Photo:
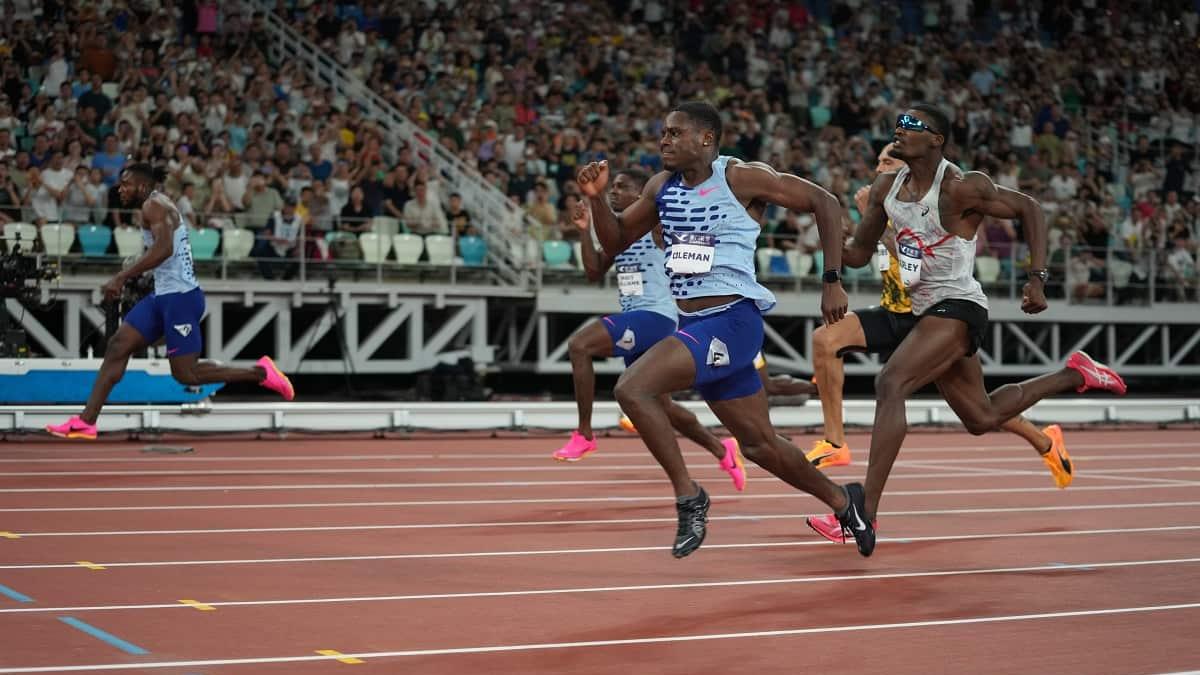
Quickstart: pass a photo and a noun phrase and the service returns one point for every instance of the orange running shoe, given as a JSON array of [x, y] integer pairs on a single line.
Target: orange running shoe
[[627, 424], [824, 454], [1061, 466]]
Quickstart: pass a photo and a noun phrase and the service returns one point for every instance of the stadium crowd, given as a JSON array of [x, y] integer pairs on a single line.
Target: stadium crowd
[[1092, 106]]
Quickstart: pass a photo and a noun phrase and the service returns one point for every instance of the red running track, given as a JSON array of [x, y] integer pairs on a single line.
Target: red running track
[[458, 555]]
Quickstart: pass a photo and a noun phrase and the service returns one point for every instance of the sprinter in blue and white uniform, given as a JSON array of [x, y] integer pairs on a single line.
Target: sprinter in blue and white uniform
[[173, 311], [647, 316], [700, 202]]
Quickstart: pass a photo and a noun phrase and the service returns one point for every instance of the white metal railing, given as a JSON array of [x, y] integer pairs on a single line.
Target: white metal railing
[[488, 205]]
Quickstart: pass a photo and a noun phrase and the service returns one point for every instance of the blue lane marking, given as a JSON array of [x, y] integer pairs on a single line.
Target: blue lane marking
[[111, 639], [19, 597]]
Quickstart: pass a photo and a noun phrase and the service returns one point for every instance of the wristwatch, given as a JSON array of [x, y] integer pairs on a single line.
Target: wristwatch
[[1042, 274], [832, 276]]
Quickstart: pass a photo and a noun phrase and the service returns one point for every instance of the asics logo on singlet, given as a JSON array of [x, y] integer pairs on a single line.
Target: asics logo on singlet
[[627, 340], [185, 329], [718, 353]]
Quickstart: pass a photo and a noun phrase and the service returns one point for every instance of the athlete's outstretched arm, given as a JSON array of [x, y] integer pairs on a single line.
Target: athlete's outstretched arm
[[861, 247], [759, 181], [615, 232], [985, 198], [164, 245], [595, 262]]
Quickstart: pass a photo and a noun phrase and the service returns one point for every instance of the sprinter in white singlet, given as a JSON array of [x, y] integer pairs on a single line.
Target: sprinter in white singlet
[[934, 208]]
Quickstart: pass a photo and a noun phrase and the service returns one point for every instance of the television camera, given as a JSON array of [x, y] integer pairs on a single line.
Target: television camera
[[22, 272]]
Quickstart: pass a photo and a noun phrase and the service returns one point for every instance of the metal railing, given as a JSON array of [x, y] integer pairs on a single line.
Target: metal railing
[[486, 203]]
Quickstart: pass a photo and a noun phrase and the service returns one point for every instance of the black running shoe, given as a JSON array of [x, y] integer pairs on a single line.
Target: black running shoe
[[854, 519], [693, 515]]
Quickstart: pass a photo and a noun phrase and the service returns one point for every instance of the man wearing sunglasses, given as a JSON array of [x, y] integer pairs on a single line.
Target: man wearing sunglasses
[[935, 210], [872, 330]]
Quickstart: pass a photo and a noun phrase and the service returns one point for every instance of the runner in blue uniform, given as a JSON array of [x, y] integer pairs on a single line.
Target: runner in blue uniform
[[173, 311], [700, 200], [647, 316]]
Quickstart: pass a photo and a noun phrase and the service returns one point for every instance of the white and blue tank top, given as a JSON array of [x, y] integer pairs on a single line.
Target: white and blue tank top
[[710, 239], [177, 274], [642, 278]]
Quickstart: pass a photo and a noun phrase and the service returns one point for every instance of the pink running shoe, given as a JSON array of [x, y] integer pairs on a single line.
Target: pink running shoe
[[830, 527], [73, 428], [827, 526], [1096, 375], [731, 463], [275, 380], [575, 448]]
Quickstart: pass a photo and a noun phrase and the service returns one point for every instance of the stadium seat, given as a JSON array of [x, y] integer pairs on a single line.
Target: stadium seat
[[24, 233], [764, 256], [236, 243], [343, 245], [57, 238], [375, 247], [129, 241], [556, 253], [409, 247], [820, 116], [799, 262], [472, 249], [987, 269], [387, 226], [440, 249], [94, 240], [204, 242]]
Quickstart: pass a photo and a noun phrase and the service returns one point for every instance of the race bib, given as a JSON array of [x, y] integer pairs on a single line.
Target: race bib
[[910, 255], [629, 280], [881, 257], [691, 254]]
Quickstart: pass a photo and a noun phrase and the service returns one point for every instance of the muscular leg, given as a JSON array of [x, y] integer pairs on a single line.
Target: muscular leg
[[749, 420], [665, 368], [981, 411], [687, 424], [828, 343], [189, 369], [933, 346], [785, 385], [590, 342], [123, 344], [958, 390]]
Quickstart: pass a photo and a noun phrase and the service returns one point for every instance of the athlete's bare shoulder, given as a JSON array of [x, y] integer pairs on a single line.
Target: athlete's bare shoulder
[[158, 208]]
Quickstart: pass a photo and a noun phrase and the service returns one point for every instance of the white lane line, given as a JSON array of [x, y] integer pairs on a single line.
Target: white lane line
[[592, 500], [1112, 474], [491, 649], [652, 500], [620, 549], [543, 456], [596, 521], [556, 467], [503, 484], [1053, 567]]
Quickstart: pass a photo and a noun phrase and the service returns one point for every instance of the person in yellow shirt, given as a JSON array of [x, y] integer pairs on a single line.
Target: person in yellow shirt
[[832, 342]]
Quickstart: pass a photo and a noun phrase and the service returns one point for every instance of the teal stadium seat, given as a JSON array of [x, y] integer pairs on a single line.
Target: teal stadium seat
[[204, 243], [472, 249], [94, 239], [556, 253]]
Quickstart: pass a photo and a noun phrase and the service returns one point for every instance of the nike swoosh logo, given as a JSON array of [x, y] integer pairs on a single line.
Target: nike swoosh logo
[[705, 193], [858, 523], [685, 542]]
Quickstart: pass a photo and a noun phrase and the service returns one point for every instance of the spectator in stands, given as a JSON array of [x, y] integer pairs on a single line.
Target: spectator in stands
[[423, 215], [279, 238], [10, 196], [260, 201], [458, 218], [355, 216], [48, 190]]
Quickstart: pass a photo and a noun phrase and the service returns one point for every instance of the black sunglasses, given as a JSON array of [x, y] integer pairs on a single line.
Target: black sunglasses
[[906, 121]]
